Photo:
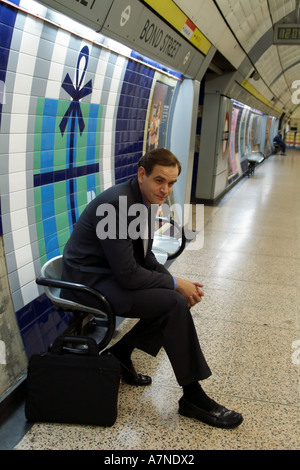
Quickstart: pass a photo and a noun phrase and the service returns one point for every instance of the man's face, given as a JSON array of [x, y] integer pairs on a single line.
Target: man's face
[[157, 186]]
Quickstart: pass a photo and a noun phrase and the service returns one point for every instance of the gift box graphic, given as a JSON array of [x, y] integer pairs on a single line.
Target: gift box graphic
[[66, 160]]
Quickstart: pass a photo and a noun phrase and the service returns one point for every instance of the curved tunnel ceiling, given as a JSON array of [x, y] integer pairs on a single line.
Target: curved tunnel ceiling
[[242, 31], [231, 40]]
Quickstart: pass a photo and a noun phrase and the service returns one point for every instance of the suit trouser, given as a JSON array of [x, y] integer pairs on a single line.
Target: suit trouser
[[166, 321]]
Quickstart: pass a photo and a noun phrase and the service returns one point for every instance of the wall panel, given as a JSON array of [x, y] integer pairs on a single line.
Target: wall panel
[[74, 122]]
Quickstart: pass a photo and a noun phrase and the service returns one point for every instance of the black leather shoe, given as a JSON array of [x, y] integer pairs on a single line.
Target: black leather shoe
[[218, 416], [129, 374]]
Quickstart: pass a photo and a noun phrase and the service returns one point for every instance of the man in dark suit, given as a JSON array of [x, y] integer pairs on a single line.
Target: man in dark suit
[[278, 140], [107, 251]]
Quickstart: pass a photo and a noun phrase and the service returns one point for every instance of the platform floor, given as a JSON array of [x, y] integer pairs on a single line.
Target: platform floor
[[248, 325]]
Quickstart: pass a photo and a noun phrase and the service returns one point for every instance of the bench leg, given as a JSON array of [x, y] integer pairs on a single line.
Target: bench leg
[[251, 168]]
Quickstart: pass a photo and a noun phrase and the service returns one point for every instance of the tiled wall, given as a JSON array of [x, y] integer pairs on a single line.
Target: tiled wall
[[73, 123]]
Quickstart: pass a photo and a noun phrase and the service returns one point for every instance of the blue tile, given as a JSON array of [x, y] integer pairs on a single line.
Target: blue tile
[[45, 322], [25, 316], [47, 192], [55, 252], [50, 108], [8, 14], [31, 336], [40, 323], [40, 304], [49, 226], [33, 344], [4, 53], [51, 243], [5, 34], [48, 209]]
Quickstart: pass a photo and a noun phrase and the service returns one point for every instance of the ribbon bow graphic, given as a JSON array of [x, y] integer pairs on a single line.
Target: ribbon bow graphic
[[72, 112], [76, 93]]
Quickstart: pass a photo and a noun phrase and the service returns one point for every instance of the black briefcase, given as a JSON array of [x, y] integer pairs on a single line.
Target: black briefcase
[[73, 384]]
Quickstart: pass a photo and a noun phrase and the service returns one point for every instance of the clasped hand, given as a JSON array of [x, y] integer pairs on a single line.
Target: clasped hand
[[191, 291]]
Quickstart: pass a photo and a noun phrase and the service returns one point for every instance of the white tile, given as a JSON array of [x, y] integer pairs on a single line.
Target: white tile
[[17, 162], [106, 164], [17, 181], [109, 125], [29, 292], [18, 200], [21, 238], [26, 274], [107, 139], [26, 63], [107, 149], [18, 219], [20, 103], [112, 98], [23, 256]]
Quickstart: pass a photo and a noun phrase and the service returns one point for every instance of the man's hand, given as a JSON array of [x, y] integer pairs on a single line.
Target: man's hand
[[191, 291]]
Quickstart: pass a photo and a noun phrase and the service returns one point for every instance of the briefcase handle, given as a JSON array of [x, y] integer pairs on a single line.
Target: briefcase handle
[[84, 345]]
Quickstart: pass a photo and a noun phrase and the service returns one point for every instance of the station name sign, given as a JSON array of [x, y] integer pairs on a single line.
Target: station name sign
[[133, 24], [155, 37]]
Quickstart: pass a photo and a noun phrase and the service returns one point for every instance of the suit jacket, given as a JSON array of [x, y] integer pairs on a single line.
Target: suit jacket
[[114, 266]]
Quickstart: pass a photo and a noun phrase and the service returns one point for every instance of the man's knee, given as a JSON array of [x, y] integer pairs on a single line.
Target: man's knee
[[180, 307], [177, 301]]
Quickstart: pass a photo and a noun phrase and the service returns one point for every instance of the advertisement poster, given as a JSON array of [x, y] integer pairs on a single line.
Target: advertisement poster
[[159, 115], [243, 140], [254, 133], [232, 167], [268, 145]]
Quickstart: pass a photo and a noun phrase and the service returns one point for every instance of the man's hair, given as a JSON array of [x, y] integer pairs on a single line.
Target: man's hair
[[159, 156]]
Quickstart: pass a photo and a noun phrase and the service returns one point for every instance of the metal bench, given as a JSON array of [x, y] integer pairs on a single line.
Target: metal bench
[[100, 323], [169, 240], [254, 159], [85, 320]]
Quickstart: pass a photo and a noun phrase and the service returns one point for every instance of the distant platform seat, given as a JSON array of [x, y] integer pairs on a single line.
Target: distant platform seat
[[276, 148], [254, 159], [100, 323]]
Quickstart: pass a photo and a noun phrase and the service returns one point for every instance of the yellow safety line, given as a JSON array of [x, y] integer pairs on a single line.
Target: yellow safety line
[[250, 88]]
